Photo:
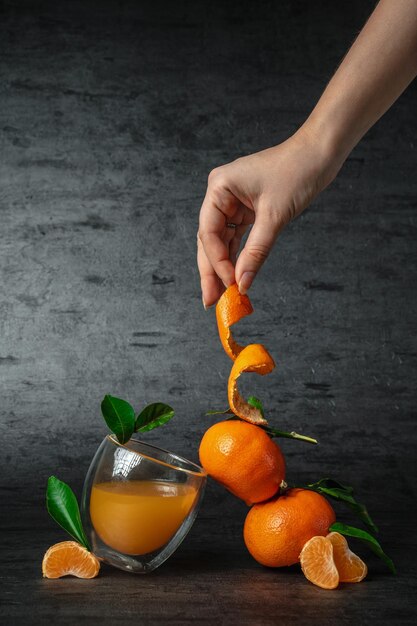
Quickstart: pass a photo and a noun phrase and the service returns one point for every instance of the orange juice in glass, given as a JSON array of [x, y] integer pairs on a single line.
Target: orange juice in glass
[[139, 502], [139, 516]]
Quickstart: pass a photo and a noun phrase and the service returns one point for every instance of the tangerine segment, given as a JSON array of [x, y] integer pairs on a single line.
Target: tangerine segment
[[231, 307], [253, 358], [69, 558], [350, 567], [318, 564]]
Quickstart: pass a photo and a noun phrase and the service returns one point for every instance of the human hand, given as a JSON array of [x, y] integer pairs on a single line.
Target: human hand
[[270, 188], [267, 189]]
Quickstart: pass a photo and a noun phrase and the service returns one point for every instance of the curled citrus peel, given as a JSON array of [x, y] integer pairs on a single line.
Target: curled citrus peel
[[231, 307], [254, 358]]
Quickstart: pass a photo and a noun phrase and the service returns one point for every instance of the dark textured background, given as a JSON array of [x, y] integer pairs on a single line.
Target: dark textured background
[[111, 116]]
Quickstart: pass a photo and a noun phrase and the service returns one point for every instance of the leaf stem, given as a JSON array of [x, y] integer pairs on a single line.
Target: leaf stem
[[292, 435]]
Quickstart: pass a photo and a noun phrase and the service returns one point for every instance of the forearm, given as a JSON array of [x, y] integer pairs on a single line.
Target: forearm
[[376, 70]]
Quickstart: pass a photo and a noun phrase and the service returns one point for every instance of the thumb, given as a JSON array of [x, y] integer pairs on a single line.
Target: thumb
[[257, 248]]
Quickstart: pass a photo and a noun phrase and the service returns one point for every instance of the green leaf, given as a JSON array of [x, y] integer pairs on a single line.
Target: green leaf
[[152, 416], [330, 483], [343, 493], [358, 533], [119, 416], [62, 506], [225, 412], [273, 432], [257, 404]]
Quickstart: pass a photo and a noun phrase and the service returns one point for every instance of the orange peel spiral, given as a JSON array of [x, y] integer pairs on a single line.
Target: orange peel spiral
[[231, 307], [254, 358]]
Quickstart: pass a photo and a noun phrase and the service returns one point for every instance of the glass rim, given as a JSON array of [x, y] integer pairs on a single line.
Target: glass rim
[[198, 471]]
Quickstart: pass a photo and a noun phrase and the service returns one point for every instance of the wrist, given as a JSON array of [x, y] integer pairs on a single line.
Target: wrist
[[335, 128], [329, 154]]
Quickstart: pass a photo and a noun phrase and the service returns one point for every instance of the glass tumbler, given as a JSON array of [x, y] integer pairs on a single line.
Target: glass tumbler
[[138, 503]]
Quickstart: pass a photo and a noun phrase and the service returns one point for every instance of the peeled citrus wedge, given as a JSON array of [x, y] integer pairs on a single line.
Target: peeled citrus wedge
[[350, 567], [317, 563], [231, 307], [253, 358], [69, 558], [326, 561]]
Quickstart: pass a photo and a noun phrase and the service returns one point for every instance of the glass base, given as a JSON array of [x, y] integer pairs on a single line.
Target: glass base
[[125, 562]]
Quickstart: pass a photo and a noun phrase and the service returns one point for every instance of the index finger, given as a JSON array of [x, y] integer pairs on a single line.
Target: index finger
[[211, 285]]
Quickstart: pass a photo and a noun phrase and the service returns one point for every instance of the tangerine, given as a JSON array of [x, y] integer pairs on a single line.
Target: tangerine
[[244, 459], [276, 531]]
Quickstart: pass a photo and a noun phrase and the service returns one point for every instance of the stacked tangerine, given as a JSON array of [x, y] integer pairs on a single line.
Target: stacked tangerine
[[283, 526]]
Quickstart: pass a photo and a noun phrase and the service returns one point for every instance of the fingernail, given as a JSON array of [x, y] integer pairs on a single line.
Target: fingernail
[[245, 282], [228, 282], [204, 304]]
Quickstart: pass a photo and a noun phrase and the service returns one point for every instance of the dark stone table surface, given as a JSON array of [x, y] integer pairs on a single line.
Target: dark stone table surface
[[112, 114]]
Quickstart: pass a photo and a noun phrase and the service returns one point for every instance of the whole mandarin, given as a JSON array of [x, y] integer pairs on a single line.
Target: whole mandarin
[[243, 458], [276, 531]]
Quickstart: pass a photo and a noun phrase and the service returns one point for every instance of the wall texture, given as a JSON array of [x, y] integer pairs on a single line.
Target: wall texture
[[111, 116]]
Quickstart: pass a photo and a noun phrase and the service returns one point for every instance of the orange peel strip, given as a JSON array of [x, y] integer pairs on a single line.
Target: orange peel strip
[[231, 307], [253, 358]]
